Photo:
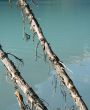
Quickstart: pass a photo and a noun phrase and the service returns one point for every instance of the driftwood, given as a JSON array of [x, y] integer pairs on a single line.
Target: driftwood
[[58, 66], [32, 98]]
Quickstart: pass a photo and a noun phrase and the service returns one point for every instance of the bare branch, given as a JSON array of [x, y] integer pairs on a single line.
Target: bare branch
[[60, 70], [15, 75], [17, 58]]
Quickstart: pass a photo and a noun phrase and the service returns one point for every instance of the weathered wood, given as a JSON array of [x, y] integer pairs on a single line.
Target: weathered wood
[[20, 100], [32, 97], [60, 70]]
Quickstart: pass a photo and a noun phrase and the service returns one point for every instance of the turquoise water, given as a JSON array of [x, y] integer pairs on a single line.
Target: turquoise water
[[66, 25]]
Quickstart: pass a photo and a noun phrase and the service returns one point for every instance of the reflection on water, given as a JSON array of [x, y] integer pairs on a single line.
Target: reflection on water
[[51, 91], [77, 59], [54, 94], [66, 25]]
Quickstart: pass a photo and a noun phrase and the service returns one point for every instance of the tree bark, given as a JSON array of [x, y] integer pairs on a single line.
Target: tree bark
[[20, 100], [32, 97], [60, 70]]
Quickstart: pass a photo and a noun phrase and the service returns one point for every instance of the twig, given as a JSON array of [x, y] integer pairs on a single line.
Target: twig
[[17, 58]]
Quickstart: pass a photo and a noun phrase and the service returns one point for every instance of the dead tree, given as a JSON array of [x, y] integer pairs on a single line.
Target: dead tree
[[32, 98], [58, 66]]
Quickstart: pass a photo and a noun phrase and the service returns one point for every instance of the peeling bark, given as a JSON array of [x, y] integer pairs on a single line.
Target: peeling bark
[[60, 70], [32, 97]]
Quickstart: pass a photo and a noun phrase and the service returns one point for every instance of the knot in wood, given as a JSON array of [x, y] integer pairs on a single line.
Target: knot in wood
[[3, 55], [43, 40]]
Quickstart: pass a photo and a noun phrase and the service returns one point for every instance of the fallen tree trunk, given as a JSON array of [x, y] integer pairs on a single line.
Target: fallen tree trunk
[[60, 70], [32, 98]]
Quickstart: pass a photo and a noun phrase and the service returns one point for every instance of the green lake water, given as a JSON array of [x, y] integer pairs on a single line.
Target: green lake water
[[66, 26]]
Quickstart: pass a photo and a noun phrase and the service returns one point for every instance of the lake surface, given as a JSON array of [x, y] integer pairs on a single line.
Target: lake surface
[[66, 26]]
